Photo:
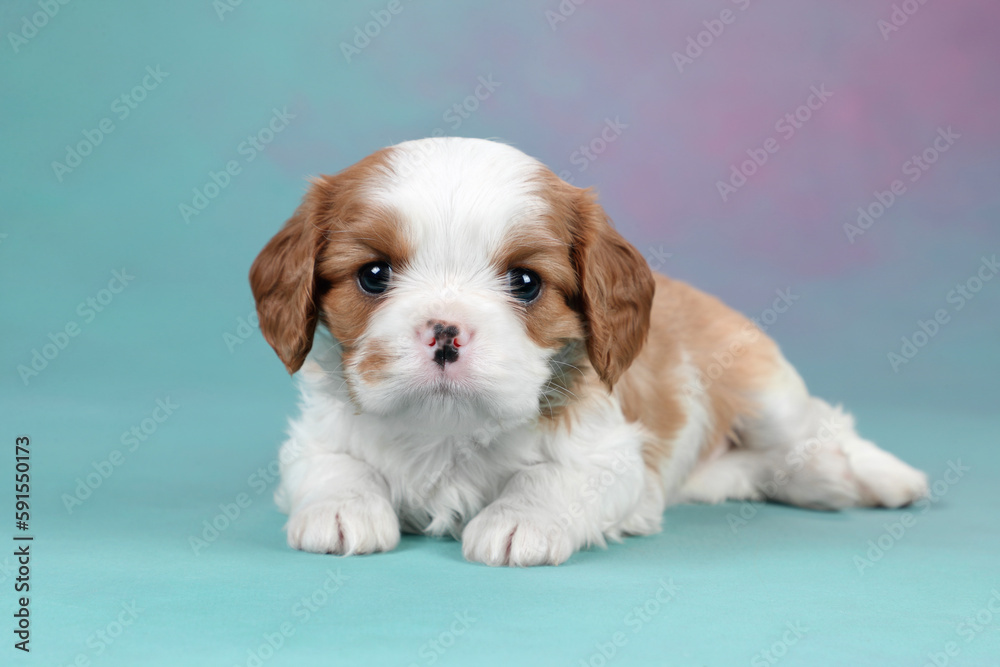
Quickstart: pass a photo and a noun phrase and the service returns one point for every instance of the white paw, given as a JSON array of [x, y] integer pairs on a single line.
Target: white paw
[[357, 525], [883, 480], [504, 536]]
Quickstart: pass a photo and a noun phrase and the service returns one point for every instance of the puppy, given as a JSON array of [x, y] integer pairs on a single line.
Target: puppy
[[482, 355]]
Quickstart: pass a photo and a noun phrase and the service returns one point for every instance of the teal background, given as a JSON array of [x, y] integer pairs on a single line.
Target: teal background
[[171, 334]]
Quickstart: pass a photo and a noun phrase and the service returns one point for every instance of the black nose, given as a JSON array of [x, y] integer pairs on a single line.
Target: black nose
[[444, 336]]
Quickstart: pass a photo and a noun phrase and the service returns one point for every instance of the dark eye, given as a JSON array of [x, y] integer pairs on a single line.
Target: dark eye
[[524, 284], [374, 277]]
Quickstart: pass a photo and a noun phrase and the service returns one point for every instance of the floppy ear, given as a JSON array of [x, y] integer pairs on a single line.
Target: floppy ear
[[283, 281], [616, 289]]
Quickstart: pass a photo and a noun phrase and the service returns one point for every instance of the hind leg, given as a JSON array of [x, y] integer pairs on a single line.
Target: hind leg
[[800, 450]]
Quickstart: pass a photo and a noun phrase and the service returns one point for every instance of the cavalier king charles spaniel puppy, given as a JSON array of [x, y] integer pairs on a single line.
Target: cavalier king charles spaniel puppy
[[482, 355]]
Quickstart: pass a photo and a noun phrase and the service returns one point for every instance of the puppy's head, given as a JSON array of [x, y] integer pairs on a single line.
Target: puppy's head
[[462, 280]]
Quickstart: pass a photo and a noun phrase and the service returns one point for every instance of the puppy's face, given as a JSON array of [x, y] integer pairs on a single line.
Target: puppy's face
[[464, 282]]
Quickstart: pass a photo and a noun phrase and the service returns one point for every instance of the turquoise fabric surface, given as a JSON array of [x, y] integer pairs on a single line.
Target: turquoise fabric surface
[[735, 588], [149, 151]]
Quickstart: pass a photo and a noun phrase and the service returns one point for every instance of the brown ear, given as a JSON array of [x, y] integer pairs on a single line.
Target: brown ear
[[616, 289], [283, 282]]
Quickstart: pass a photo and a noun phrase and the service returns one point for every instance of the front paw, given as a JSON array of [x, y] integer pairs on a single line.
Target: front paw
[[357, 525], [504, 536]]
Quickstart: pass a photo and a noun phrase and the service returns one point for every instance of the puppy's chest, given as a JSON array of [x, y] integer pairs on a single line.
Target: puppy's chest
[[438, 485]]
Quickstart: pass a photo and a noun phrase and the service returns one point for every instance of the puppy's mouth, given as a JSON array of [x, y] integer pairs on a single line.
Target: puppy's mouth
[[410, 380], [447, 382], [448, 400], [440, 384]]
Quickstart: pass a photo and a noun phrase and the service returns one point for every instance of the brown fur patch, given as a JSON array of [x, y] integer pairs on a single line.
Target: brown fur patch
[[550, 321], [307, 272], [283, 282], [647, 391], [597, 291], [733, 357], [615, 285], [362, 235]]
